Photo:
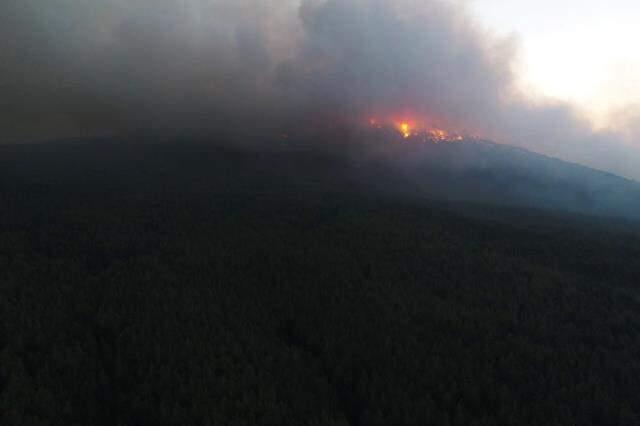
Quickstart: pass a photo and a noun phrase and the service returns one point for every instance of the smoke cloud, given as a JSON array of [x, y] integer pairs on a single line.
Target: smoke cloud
[[238, 69]]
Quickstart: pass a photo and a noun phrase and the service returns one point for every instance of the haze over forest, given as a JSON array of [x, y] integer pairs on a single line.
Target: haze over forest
[[311, 212]]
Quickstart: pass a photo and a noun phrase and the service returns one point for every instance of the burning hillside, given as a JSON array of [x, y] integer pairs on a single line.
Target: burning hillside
[[414, 130]]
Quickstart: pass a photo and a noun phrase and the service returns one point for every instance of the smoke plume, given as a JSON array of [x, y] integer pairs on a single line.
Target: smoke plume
[[240, 69]]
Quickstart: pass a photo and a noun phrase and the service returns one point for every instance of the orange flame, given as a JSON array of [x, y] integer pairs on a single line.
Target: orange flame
[[405, 129], [416, 129]]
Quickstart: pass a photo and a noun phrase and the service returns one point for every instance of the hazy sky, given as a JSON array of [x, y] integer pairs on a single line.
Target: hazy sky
[[241, 69], [582, 51]]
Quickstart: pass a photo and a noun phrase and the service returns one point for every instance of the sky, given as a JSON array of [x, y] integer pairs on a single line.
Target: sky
[[558, 78], [581, 51]]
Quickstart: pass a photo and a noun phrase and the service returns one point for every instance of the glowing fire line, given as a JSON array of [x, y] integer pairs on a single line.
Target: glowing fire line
[[409, 129]]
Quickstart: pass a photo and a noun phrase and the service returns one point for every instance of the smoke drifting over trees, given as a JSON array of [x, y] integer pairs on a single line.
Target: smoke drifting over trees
[[254, 67]]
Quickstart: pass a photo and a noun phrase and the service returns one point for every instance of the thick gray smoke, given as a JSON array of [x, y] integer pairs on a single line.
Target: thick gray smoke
[[241, 68]]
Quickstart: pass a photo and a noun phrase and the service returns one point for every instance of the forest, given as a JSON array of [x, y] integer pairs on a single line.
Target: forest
[[171, 284]]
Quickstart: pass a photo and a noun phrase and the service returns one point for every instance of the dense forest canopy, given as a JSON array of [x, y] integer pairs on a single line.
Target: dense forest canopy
[[183, 285]]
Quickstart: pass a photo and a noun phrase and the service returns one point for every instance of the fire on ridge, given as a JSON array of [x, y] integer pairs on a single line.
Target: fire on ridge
[[412, 130]]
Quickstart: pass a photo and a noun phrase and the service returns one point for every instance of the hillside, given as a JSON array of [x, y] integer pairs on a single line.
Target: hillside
[[176, 284], [486, 172]]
